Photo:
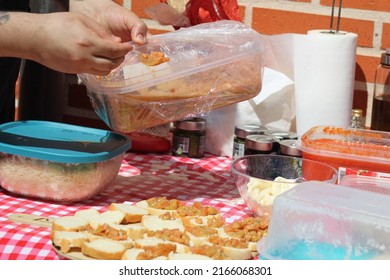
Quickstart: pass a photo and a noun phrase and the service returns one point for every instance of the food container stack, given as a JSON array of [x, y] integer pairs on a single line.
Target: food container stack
[[201, 68]]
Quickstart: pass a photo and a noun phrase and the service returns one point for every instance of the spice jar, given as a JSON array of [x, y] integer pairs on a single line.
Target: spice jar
[[357, 118], [289, 148], [241, 132], [283, 135], [188, 138], [261, 144]]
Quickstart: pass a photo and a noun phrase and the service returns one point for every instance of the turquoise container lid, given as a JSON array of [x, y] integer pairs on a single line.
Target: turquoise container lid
[[60, 142]]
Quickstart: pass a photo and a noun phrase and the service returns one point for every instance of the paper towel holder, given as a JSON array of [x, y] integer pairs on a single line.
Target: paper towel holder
[[331, 31]]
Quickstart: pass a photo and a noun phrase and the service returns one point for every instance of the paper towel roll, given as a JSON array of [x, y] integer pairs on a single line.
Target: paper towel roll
[[324, 74]]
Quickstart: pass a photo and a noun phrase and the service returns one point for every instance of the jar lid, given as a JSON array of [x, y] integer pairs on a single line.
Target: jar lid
[[260, 142], [192, 124], [244, 130], [385, 59], [283, 135], [290, 147]]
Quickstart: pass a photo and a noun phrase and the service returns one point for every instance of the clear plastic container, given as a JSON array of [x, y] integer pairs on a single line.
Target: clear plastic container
[[322, 221], [342, 148], [367, 183], [207, 69], [60, 162]]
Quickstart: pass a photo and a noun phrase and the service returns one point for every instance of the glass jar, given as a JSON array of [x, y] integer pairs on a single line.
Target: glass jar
[[289, 148], [188, 138], [380, 118], [283, 135], [357, 119], [261, 144], [240, 133]]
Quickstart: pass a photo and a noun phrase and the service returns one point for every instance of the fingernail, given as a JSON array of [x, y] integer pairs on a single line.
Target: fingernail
[[140, 38]]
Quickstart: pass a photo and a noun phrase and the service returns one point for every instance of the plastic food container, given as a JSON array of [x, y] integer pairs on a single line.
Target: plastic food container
[[322, 221], [60, 162], [359, 149], [367, 183], [210, 65]]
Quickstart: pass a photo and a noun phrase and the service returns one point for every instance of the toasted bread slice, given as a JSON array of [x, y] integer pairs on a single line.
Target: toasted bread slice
[[153, 242], [154, 223], [104, 249], [66, 240], [70, 223], [107, 217], [187, 256], [133, 214], [87, 214]]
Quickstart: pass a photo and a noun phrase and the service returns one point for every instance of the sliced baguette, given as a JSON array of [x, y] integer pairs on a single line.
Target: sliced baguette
[[107, 217], [153, 242], [140, 254], [187, 256], [154, 223], [103, 249], [87, 214], [133, 214], [154, 211], [66, 240], [69, 223]]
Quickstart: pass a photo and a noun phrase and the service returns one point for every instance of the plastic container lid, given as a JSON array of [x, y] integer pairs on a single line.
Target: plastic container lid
[[61, 142]]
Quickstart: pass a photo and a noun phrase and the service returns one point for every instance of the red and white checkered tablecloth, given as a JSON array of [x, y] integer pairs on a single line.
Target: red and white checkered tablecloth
[[141, 176]]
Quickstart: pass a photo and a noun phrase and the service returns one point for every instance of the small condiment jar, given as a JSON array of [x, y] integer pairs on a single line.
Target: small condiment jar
[[283, 135], [240, 133], [188, 138], [289, 148], [261, 144]]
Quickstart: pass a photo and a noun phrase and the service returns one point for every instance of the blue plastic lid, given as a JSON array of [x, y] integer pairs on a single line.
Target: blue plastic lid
[[61, 142]]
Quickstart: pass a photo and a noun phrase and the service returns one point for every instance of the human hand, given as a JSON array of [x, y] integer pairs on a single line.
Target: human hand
[[116, 19], [74, 43]]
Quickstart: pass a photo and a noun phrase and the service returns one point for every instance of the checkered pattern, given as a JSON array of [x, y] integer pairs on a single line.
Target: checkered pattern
[[141, 176]]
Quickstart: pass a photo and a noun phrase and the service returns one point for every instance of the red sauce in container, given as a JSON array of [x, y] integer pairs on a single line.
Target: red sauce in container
[[349, 148]]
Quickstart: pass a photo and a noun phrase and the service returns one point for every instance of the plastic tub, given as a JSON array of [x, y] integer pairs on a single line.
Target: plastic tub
[[367, 183], [210, 65], [358, 149], [55, 161], [322, 221]]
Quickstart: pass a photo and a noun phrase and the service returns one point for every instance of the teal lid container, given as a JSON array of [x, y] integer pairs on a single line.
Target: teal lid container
[[61, 142], [56, 161]]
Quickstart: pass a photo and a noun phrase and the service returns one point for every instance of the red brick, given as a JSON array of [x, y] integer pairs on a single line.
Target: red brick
[[365, 68], [373, 5], [360, 100], [270, 21], [385, 35]]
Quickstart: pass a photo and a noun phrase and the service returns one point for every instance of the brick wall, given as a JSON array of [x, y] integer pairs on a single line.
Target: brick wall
[[370, 19]]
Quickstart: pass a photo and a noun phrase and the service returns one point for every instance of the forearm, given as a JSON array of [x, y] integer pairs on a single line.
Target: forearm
[[18, 33]]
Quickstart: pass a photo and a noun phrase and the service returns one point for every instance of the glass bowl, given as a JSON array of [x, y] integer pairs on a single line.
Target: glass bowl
[[261, 178]]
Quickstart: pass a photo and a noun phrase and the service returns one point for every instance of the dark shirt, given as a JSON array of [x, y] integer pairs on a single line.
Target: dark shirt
[[9, 68]]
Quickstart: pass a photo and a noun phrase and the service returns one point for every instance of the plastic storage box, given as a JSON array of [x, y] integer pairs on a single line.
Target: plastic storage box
[[322, 221], [359, 149], [60, 162], [367, 183], [210, 65]]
